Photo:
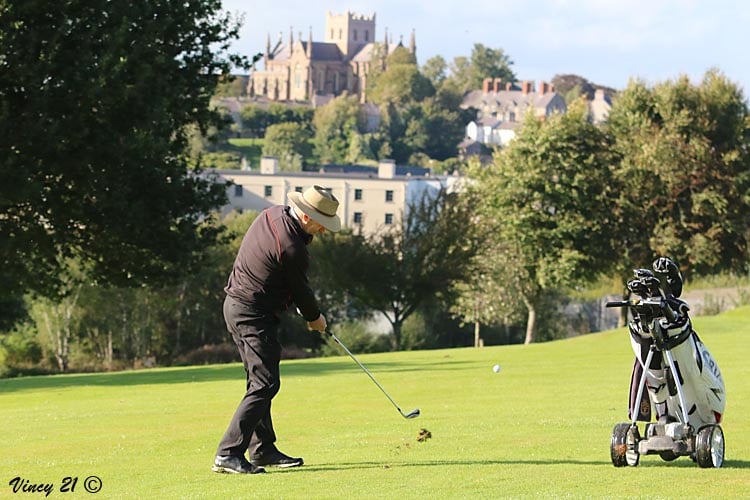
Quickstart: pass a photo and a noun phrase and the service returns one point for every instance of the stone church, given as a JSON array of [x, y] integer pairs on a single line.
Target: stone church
[[300, 70]]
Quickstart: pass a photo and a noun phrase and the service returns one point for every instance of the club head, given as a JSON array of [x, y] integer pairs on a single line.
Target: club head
[[412, 414]]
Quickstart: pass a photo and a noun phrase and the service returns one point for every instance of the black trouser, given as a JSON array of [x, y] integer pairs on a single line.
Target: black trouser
[[251, 428]]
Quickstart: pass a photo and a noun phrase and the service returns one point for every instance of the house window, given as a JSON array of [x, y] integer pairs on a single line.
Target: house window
[[298, 189], [358, 217], [367, 35], [268, 191], [389, 195], [355, 35], [358, 194], [389, 219], [237, 191]]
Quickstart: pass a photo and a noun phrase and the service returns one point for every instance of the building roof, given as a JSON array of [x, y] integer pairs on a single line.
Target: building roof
[[324, 51], [505, 99], [488, 121], [364, 54], [280, 52], [366, 170], [370, 176]]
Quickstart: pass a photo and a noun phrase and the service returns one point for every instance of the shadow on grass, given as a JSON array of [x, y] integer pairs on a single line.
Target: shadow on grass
[[729, 464], [198, 374]]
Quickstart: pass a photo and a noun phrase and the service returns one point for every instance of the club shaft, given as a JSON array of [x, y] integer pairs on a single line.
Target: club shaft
[[366, 371]]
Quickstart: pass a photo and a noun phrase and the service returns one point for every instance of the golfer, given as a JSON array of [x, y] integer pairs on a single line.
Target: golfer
[[268, 275]]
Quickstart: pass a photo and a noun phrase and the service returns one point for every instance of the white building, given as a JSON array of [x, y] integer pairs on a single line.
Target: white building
[[501, 109], [370, 198]]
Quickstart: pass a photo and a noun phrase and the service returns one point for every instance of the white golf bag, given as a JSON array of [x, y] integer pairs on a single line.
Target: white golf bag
[[696, 372]]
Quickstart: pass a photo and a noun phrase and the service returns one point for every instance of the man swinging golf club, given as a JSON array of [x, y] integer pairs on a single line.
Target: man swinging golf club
[[268, 275]]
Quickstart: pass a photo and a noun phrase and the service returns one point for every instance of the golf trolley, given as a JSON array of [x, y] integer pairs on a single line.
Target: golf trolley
[[674, 372]]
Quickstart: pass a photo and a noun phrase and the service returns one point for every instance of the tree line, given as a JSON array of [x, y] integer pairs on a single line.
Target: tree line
[[111, 257]]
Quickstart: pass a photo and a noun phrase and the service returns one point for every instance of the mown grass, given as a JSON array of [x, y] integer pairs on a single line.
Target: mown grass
[[540, 428], [250, 149]]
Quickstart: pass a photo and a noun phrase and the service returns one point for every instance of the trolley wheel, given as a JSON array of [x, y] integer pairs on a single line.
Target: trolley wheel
[[709, 446], [624, 445], [668, 455]]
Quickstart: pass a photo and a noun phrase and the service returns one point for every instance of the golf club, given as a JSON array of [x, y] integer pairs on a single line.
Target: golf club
[[412, 414]]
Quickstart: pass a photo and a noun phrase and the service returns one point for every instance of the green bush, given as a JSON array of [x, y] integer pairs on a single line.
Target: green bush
[[355, 336], [19, 351], [21, 346]]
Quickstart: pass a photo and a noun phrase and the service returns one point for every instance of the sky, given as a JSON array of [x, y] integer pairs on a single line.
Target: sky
[[608, 42]]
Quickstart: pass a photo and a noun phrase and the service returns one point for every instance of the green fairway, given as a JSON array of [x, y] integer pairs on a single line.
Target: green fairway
[[539, 428]]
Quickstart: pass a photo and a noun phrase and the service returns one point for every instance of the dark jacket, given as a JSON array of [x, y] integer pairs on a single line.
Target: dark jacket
[[270, 271]]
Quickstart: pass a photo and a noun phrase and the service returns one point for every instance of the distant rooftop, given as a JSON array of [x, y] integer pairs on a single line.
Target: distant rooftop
[[368, 170]]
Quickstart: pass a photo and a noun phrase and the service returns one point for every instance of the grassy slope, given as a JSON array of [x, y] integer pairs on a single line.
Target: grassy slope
[[251, 149], [539, 428]]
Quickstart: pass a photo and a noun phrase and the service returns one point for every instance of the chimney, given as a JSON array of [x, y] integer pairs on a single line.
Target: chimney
[[269, 165], [498, 83], [526, 87], [509, 86], [551, 87], [542, 87], [387, 169], [486, 83]]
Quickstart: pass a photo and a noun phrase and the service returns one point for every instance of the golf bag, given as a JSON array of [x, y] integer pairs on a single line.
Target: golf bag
[[697, 373], [674, 374], [696, 370]]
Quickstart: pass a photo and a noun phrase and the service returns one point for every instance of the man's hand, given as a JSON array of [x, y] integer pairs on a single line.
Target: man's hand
[[319, 324]]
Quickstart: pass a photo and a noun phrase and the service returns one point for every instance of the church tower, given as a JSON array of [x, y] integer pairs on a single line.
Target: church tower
[[349, 31]]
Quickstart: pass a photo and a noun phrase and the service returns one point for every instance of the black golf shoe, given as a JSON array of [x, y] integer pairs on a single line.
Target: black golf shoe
[[276, 459], [235, 465]]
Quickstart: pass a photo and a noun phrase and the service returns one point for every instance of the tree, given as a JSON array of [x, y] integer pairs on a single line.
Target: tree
[[487, 62], [491, 292], [394, 272], [435, 70], [290, 143], [255, 120], [400, 84], [335, 125], [547, 201], [467, 74], [232, 86], [95, 99], [684, 174]]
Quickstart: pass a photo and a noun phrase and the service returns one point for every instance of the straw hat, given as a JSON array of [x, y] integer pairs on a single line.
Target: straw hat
[[320, 205]]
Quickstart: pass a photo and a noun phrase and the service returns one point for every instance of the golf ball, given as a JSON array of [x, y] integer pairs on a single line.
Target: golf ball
[[496, 368]]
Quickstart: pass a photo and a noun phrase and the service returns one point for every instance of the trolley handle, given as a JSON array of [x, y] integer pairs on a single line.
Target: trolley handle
[[619, 303]]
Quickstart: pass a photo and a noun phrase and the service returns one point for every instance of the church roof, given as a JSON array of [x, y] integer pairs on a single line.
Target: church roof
[[280, 52], [364, 54], [324, 51]]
